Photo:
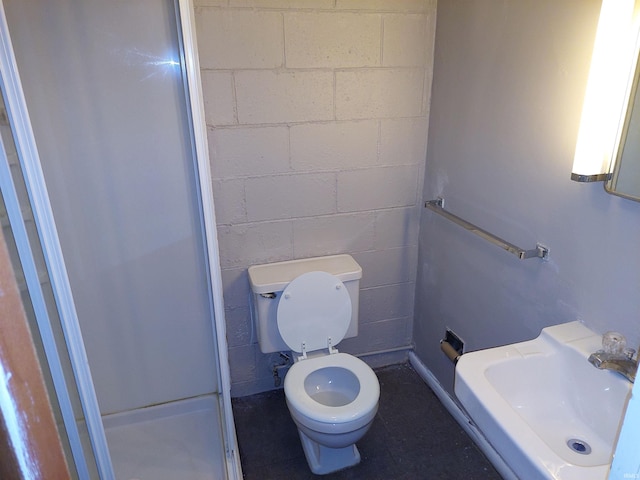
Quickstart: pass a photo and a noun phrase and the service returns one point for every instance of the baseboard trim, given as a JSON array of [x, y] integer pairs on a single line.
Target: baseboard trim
[[462, 418]]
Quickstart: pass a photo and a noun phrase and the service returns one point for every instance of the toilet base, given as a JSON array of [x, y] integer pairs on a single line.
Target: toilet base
[[323, 460]]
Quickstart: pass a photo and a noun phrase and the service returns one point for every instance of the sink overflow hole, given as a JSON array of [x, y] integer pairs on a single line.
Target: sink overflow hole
[[579, 446]]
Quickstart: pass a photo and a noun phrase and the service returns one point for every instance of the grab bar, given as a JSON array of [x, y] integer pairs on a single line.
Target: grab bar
[[540, 251]]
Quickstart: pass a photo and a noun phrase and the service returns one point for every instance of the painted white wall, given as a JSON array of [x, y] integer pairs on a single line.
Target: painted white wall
[[509, 79], [317, 113]]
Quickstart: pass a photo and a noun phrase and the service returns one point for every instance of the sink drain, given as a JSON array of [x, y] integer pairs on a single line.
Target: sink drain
[[579, 446]]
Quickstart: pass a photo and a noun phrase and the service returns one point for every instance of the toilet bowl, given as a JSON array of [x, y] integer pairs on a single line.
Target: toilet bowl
[[332, 397], [333, 400]]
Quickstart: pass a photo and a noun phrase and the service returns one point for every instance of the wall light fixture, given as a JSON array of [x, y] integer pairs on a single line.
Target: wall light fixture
[[612, 66]]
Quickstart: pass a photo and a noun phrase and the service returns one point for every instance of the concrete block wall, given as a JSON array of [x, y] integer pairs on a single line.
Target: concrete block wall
[[317, 120]]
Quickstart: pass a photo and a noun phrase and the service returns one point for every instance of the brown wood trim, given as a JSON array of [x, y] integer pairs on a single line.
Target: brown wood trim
[[39, 435]]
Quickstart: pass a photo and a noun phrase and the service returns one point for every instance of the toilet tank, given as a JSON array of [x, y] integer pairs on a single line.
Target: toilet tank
[[269, 280]]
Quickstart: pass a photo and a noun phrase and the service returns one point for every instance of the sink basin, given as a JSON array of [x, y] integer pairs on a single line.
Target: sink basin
[[543, 407]]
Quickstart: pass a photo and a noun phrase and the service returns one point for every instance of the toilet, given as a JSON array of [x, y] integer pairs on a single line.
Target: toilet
[[307, 307]]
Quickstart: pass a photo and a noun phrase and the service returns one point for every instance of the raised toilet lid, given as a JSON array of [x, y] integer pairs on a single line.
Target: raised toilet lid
[[312, 308]]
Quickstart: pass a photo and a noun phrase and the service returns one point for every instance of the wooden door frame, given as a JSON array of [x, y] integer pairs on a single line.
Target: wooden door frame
[[30, 445]]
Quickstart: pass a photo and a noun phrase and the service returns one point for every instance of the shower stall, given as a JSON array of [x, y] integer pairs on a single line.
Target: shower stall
[[108, 209]]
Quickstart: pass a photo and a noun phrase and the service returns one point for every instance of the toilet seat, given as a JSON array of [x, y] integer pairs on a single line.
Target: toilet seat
[[361, 408], [314, 312]]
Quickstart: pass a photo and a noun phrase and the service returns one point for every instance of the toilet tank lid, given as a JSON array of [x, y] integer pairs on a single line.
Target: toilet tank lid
[[273, 277]]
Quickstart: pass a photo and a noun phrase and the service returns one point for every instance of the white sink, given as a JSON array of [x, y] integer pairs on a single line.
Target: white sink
[[540, 404]]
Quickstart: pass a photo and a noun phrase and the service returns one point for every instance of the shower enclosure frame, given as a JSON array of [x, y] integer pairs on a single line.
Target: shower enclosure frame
[[43, 216]]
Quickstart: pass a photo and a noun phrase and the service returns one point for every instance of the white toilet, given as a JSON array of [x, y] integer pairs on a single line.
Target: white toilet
[[308, 306]]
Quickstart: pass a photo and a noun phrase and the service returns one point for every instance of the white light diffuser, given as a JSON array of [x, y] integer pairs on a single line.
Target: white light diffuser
[[612, 66]]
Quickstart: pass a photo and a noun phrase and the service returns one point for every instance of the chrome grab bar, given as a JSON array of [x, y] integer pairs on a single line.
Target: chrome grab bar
[[540, 251]]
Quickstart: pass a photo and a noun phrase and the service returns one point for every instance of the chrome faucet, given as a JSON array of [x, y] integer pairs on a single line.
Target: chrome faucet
[[621, 363], [614, 356]]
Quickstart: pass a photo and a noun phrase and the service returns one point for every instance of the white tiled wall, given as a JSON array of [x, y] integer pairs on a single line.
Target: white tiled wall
[[317, 114]]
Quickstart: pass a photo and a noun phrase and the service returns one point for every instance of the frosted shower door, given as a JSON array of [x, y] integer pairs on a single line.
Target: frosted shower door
[[105, 93]]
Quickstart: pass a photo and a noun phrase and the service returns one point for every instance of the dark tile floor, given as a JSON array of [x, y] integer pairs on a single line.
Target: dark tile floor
[[412, 437]]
